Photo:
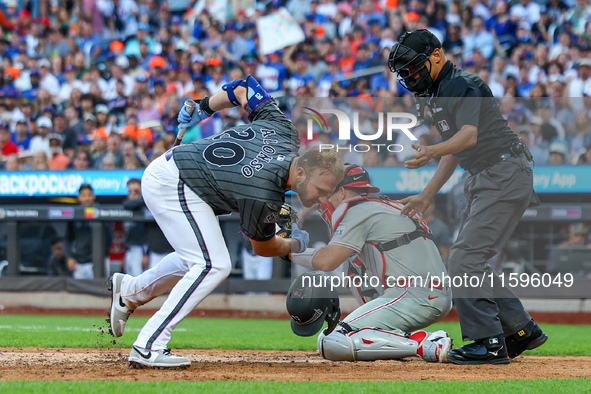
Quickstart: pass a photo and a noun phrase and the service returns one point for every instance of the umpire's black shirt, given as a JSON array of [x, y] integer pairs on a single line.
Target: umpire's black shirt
[[459, 98]]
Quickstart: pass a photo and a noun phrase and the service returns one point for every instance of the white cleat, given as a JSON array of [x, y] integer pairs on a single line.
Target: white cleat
[[444, 344], [140, 358], [119, 312]]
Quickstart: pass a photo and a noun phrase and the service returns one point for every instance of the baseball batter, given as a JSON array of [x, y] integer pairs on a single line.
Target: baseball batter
[[499, 189], [247, 170], [400, 252]]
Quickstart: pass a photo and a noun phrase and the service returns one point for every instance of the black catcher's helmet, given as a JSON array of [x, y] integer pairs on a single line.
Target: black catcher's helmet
[[310, 302], [413, 51]]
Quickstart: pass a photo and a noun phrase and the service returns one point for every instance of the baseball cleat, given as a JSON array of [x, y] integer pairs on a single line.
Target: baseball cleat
[[490, 350], [140, 358], [529, 337], [443, 342], [119, 312], [435, 347]]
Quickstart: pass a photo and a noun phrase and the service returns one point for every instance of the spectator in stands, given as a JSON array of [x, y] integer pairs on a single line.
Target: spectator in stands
[[128, 150], [558, 153], [40, 161], [577, 85], [563, 110], [8, 147], [585, 157], [21, 137], [12, 163], [546, 112], [102, 113], [71, 82], [299, 75], [144, 145], [99, 146], [58, 161], [478, 38], [526, 10], [81, 160], [581, 137], [48, 82], [108, 162], [503, 26], [40, 142], [88, 125]]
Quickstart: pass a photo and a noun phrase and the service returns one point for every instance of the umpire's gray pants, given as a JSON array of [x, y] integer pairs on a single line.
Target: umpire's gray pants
[[497, 198]]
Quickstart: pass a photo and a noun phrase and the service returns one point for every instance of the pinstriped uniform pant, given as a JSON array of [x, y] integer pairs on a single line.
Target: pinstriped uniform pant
[[199, 264]]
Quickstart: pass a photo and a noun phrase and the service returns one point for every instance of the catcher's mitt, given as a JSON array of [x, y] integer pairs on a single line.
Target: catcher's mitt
[[287, 217]]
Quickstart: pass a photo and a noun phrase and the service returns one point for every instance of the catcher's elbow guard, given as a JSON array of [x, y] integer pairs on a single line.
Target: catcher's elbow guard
[[255, 94]]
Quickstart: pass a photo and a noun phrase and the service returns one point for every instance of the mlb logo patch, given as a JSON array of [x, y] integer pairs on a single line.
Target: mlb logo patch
[[339, 231], [443, 125]]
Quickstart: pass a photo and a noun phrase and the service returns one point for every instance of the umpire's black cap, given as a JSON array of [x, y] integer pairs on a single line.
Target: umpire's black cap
[[415, 47], [422, 41], [310, 302]]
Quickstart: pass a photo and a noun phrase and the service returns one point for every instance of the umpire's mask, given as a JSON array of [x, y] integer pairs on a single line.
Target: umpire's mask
[[412, 52], [310, 302]]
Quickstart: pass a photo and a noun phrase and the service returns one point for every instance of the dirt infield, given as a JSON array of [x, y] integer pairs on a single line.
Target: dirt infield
[[222, 365]]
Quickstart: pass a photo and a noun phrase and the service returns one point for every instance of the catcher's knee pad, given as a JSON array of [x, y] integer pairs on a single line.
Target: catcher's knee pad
[[255, 94], [366, 344]]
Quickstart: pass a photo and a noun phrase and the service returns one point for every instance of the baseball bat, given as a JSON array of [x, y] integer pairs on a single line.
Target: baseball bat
[[190, 104]]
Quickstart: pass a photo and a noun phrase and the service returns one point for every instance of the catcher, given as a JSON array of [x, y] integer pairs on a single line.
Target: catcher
[[397, 249]]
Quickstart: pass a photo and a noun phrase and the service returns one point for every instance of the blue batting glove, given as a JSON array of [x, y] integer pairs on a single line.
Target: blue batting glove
[[186, 120], [301, 236]]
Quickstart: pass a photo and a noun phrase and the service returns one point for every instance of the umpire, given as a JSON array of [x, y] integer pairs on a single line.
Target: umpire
[[475, 136]]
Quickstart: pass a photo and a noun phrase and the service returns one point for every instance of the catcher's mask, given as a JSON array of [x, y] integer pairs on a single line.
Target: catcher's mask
[[413, 51], [310, 304]]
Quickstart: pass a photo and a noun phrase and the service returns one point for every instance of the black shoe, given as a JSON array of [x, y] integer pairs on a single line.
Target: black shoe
[[529, 337], [490, 350]]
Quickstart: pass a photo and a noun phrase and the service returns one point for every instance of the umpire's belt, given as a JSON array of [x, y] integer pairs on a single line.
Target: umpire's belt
[[484, 164]]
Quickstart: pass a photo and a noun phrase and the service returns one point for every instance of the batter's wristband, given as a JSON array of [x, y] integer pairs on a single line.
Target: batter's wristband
[[204, 104]]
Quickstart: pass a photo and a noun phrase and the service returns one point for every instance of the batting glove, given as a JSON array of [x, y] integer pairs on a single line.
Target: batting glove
[[301, 236], [187, 120]]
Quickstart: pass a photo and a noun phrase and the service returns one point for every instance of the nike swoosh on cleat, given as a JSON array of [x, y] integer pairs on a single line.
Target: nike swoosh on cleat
[[143, 355]]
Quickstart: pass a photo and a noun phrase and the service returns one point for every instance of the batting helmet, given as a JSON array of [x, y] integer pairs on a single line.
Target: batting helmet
[[310, 303], [412, 52]]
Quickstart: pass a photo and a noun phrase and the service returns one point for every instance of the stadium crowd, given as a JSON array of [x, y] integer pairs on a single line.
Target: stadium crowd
[[98, 83]]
